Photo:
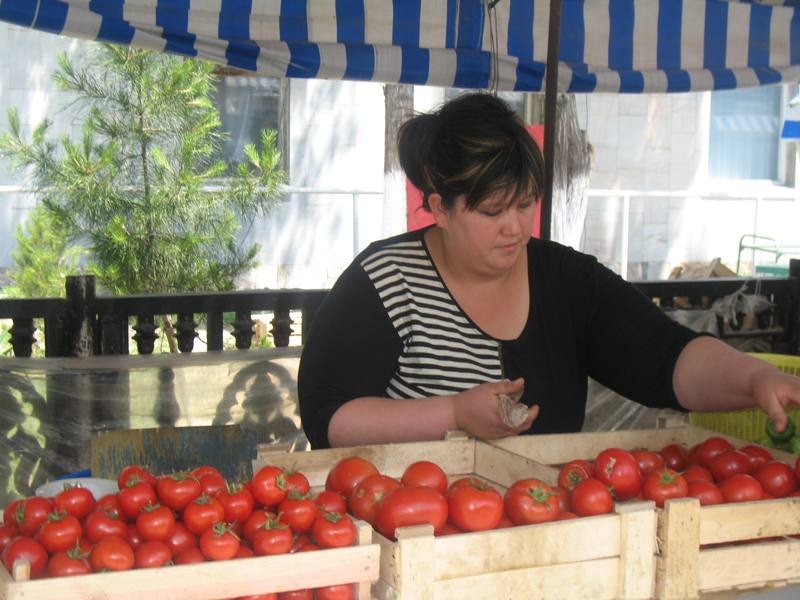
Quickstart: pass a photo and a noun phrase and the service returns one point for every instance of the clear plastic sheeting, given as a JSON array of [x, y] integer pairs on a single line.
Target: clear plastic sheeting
[[49, 408]]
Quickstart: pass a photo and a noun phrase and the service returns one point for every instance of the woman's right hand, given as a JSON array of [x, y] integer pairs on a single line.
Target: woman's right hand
[[477, 410]]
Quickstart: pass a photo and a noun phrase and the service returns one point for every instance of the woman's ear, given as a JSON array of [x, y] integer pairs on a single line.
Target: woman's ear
[[438, 210]]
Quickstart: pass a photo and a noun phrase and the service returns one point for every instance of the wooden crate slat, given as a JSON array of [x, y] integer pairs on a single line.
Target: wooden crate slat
[[749, 520], [751, 565], [493, 462], [637, 541], [678, 535], [593, 579]]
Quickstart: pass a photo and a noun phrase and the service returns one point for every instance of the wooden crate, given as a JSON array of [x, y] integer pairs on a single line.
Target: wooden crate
[[686, 566], [608, 556], [211, 580]]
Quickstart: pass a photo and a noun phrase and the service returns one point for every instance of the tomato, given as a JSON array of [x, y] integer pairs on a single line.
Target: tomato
[[411, 506], [758, 455], [77, 501], [108, 503], [675, 457], [244, 552], [255, 521], [269, 486], [25, 548], [102, 524], [450, 529], [697, 473], [468, 481], [238, 503], [706, 491], [298, 511], [591, 497], [132, 536], [8, 531], [474, 507], [367, 495], [134, 497], [155, 523], [68, 563], [10, 512], [425, 473], [177, 490], [273, 537], [566, 516], [297, 595], [180, 539], [219, 542], [343, 591], [112, 553], [648, 461], [712, 447], [152, 554], [741, 488], [347, 474], [212, 484], [618, 469], [530, 501], [730, 463], [189, 556], [30, 515], [59, 533], [328, 501], [563, 497], [270, 596], [136, 472], [573, 472], [202, 513], [662, 486], [777, 479], [333, 530], [295, 480]]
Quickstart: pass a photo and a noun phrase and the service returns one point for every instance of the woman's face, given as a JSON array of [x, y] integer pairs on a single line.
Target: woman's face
[[490, 238]]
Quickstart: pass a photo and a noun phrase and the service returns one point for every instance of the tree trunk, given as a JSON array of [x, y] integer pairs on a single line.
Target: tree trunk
[[573, 165], [399, 104]]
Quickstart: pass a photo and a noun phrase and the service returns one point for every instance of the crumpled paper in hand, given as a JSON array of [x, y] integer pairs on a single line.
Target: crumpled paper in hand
[[512, 412]]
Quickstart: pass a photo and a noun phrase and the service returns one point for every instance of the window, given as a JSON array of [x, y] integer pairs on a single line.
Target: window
[[247, 104], [745, 133]]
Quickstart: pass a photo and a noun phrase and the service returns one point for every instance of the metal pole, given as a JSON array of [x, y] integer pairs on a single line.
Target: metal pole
[[550, 116]]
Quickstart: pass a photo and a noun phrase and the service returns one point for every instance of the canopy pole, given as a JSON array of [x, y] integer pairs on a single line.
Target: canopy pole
[[550, 116]]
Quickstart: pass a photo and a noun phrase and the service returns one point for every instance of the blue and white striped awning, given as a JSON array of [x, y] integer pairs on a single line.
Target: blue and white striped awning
[[629, 46]]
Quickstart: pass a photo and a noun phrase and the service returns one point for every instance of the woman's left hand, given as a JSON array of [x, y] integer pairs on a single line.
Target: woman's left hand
[[774, 391]]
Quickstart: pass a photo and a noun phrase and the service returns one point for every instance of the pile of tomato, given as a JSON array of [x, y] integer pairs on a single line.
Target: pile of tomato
[[180, 518]]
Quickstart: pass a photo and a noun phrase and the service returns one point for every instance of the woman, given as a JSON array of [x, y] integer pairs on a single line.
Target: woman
[[425, 332]]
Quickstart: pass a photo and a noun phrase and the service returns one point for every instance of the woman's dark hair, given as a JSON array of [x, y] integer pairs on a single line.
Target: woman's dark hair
[[475, 146]]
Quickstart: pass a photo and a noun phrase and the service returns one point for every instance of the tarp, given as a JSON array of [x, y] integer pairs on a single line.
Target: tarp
[[629, 46]]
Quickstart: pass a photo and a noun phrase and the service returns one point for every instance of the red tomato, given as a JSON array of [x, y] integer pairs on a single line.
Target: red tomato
[[531, 501], [333, 530], [155, 523], [675, 457], [563, 498], [77, 501], [270, 596], [706, 491], [573, 472], [662, 486], [796, 470], [238, 503], [103, 524], [177, 490], [219, 542], [112, 553], [777, 479], [566, 516], [411, 506], [132, 536], [255, 521], [648, 461], [202, 513], [66, 564], [189, 556], [30, 515], [25, 548], [474, 507], [713, 446], [108, 503], [343, 591], [425, 473], [618, 469], [8, 531], [212, 484], [328, 501], [295, 480], [450, 529], [697, 473], [297, 595], [726, 465], [298, 511], [468, 481], [741, 488], [152, 554], [591, 497], [347, 474], [135, 471], [181, 539], [244, 552], [269, 486], [10, 512], [59, 533], [693, 455], [758, 455], [368, 494], [134, 497], [273, 537]]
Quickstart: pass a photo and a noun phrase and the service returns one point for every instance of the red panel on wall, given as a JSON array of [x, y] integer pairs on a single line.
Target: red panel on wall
[[417, 217]]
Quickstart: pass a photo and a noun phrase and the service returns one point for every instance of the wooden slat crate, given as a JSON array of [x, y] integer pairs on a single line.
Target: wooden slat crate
[[211, 580], [686, 566], [608, 556]]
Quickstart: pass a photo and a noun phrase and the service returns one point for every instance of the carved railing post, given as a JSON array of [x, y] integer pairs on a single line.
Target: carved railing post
[[145, 336], [243, 329], [22, 337], [281, 327], [186, 332], [80, 315]]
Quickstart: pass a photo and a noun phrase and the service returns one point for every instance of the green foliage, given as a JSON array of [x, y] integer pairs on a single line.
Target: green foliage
[[131, 190]]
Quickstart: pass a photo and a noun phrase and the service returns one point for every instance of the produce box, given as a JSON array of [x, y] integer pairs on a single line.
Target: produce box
[[607, 556], [211, 580], [700, 548]]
